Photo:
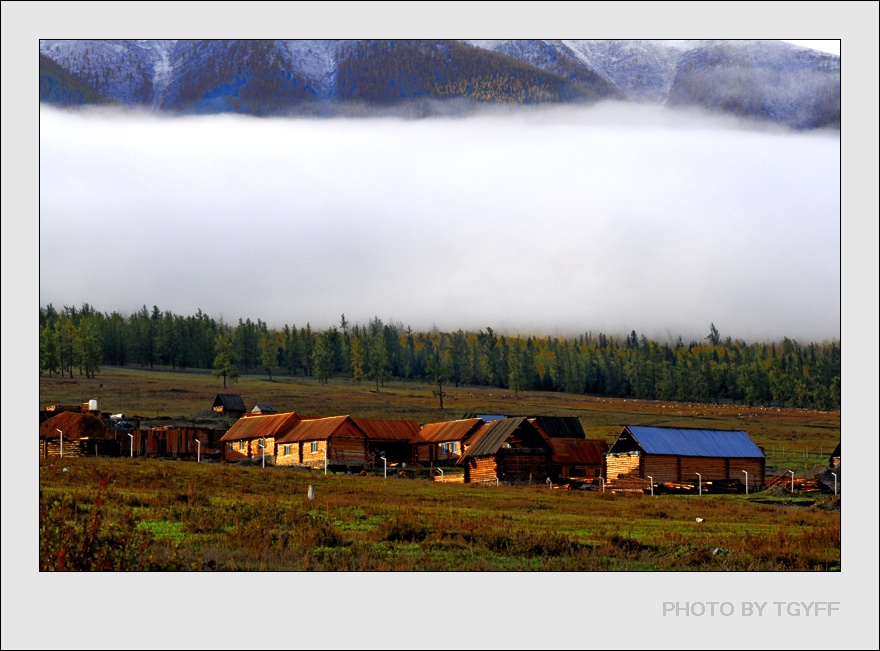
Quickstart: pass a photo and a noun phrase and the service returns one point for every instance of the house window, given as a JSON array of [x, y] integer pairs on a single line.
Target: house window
[[286, 450], [241, 445], [314, 447], [449, 448], [229, 445]]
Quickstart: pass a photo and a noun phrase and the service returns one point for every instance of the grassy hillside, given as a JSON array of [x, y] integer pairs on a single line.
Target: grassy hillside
[[163, 392]]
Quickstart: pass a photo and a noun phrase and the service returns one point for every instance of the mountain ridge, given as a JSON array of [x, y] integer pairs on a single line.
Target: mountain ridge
[[765, 80]]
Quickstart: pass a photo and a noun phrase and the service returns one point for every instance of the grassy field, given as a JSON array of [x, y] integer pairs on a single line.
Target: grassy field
[[157, 515], [152, 514]]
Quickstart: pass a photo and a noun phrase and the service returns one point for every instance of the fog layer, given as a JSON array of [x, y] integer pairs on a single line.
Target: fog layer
[[612, 219]]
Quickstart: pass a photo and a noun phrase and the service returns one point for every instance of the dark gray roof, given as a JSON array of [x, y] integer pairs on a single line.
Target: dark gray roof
[[561, 427], [694, 442], [263, 408], [230, 402]]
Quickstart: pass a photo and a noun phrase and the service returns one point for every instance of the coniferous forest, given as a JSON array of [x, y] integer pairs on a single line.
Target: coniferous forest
[[714, 369]]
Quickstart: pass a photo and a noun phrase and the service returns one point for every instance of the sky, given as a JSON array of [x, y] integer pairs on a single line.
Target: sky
[[559, 221]]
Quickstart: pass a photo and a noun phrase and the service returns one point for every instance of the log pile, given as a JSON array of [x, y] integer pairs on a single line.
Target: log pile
[[628, 484]]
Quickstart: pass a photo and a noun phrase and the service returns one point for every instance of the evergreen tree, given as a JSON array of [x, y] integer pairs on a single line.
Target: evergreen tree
[[226, 360]]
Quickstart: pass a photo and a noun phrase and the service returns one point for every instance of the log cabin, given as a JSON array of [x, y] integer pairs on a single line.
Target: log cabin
[[509, 450], [388, 437], [336, 441], [684, 455], [80, 434], [441, 444], [250, 436]]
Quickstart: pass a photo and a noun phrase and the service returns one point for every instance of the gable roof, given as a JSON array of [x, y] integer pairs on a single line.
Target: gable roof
[[492, 435], [257, 427], [230, 402], [578, 451], [560, 427], [693, 442], [318, 429], [379, 429], [452, 430]]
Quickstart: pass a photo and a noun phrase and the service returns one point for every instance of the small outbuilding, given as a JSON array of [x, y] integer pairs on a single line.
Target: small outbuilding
[[683, 455], [229, 403]]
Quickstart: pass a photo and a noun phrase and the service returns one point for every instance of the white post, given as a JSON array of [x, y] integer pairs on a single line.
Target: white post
[[263, 448], [325, 458], [131, 436], [61, 442], [385, 465], [835, 482], [603, 483], [747, 481], [198, 451], [699, 482], [652, 484], [440, 470], [792, 481]]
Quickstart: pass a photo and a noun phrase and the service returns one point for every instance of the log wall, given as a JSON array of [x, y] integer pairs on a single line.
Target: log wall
[[621, 465], [755, 468], [480, 469], [523, 464]]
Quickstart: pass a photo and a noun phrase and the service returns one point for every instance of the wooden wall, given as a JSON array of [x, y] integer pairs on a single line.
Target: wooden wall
[[755, 468]]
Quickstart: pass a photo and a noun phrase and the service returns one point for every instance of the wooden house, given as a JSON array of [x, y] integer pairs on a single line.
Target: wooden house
[[388, 437], [508, 450], [250, 436], [443, 443], [74, 434], [672, 454], [337, 442], [229, 403], [834, 459]]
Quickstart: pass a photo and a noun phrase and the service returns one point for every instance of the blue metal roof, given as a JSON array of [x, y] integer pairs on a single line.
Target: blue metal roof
[[695, 442]]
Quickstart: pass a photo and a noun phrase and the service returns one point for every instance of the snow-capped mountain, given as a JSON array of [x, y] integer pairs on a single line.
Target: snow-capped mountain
[[768, 80]]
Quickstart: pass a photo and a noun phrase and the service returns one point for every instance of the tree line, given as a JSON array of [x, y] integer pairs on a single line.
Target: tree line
[[714, 369]]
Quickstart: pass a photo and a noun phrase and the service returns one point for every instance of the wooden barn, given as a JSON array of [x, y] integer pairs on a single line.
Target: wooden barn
[[443, 443], [508, 450], [388, 437], [229, 403], [336, 441], [676, 455], [74, 434], [244, 440]]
